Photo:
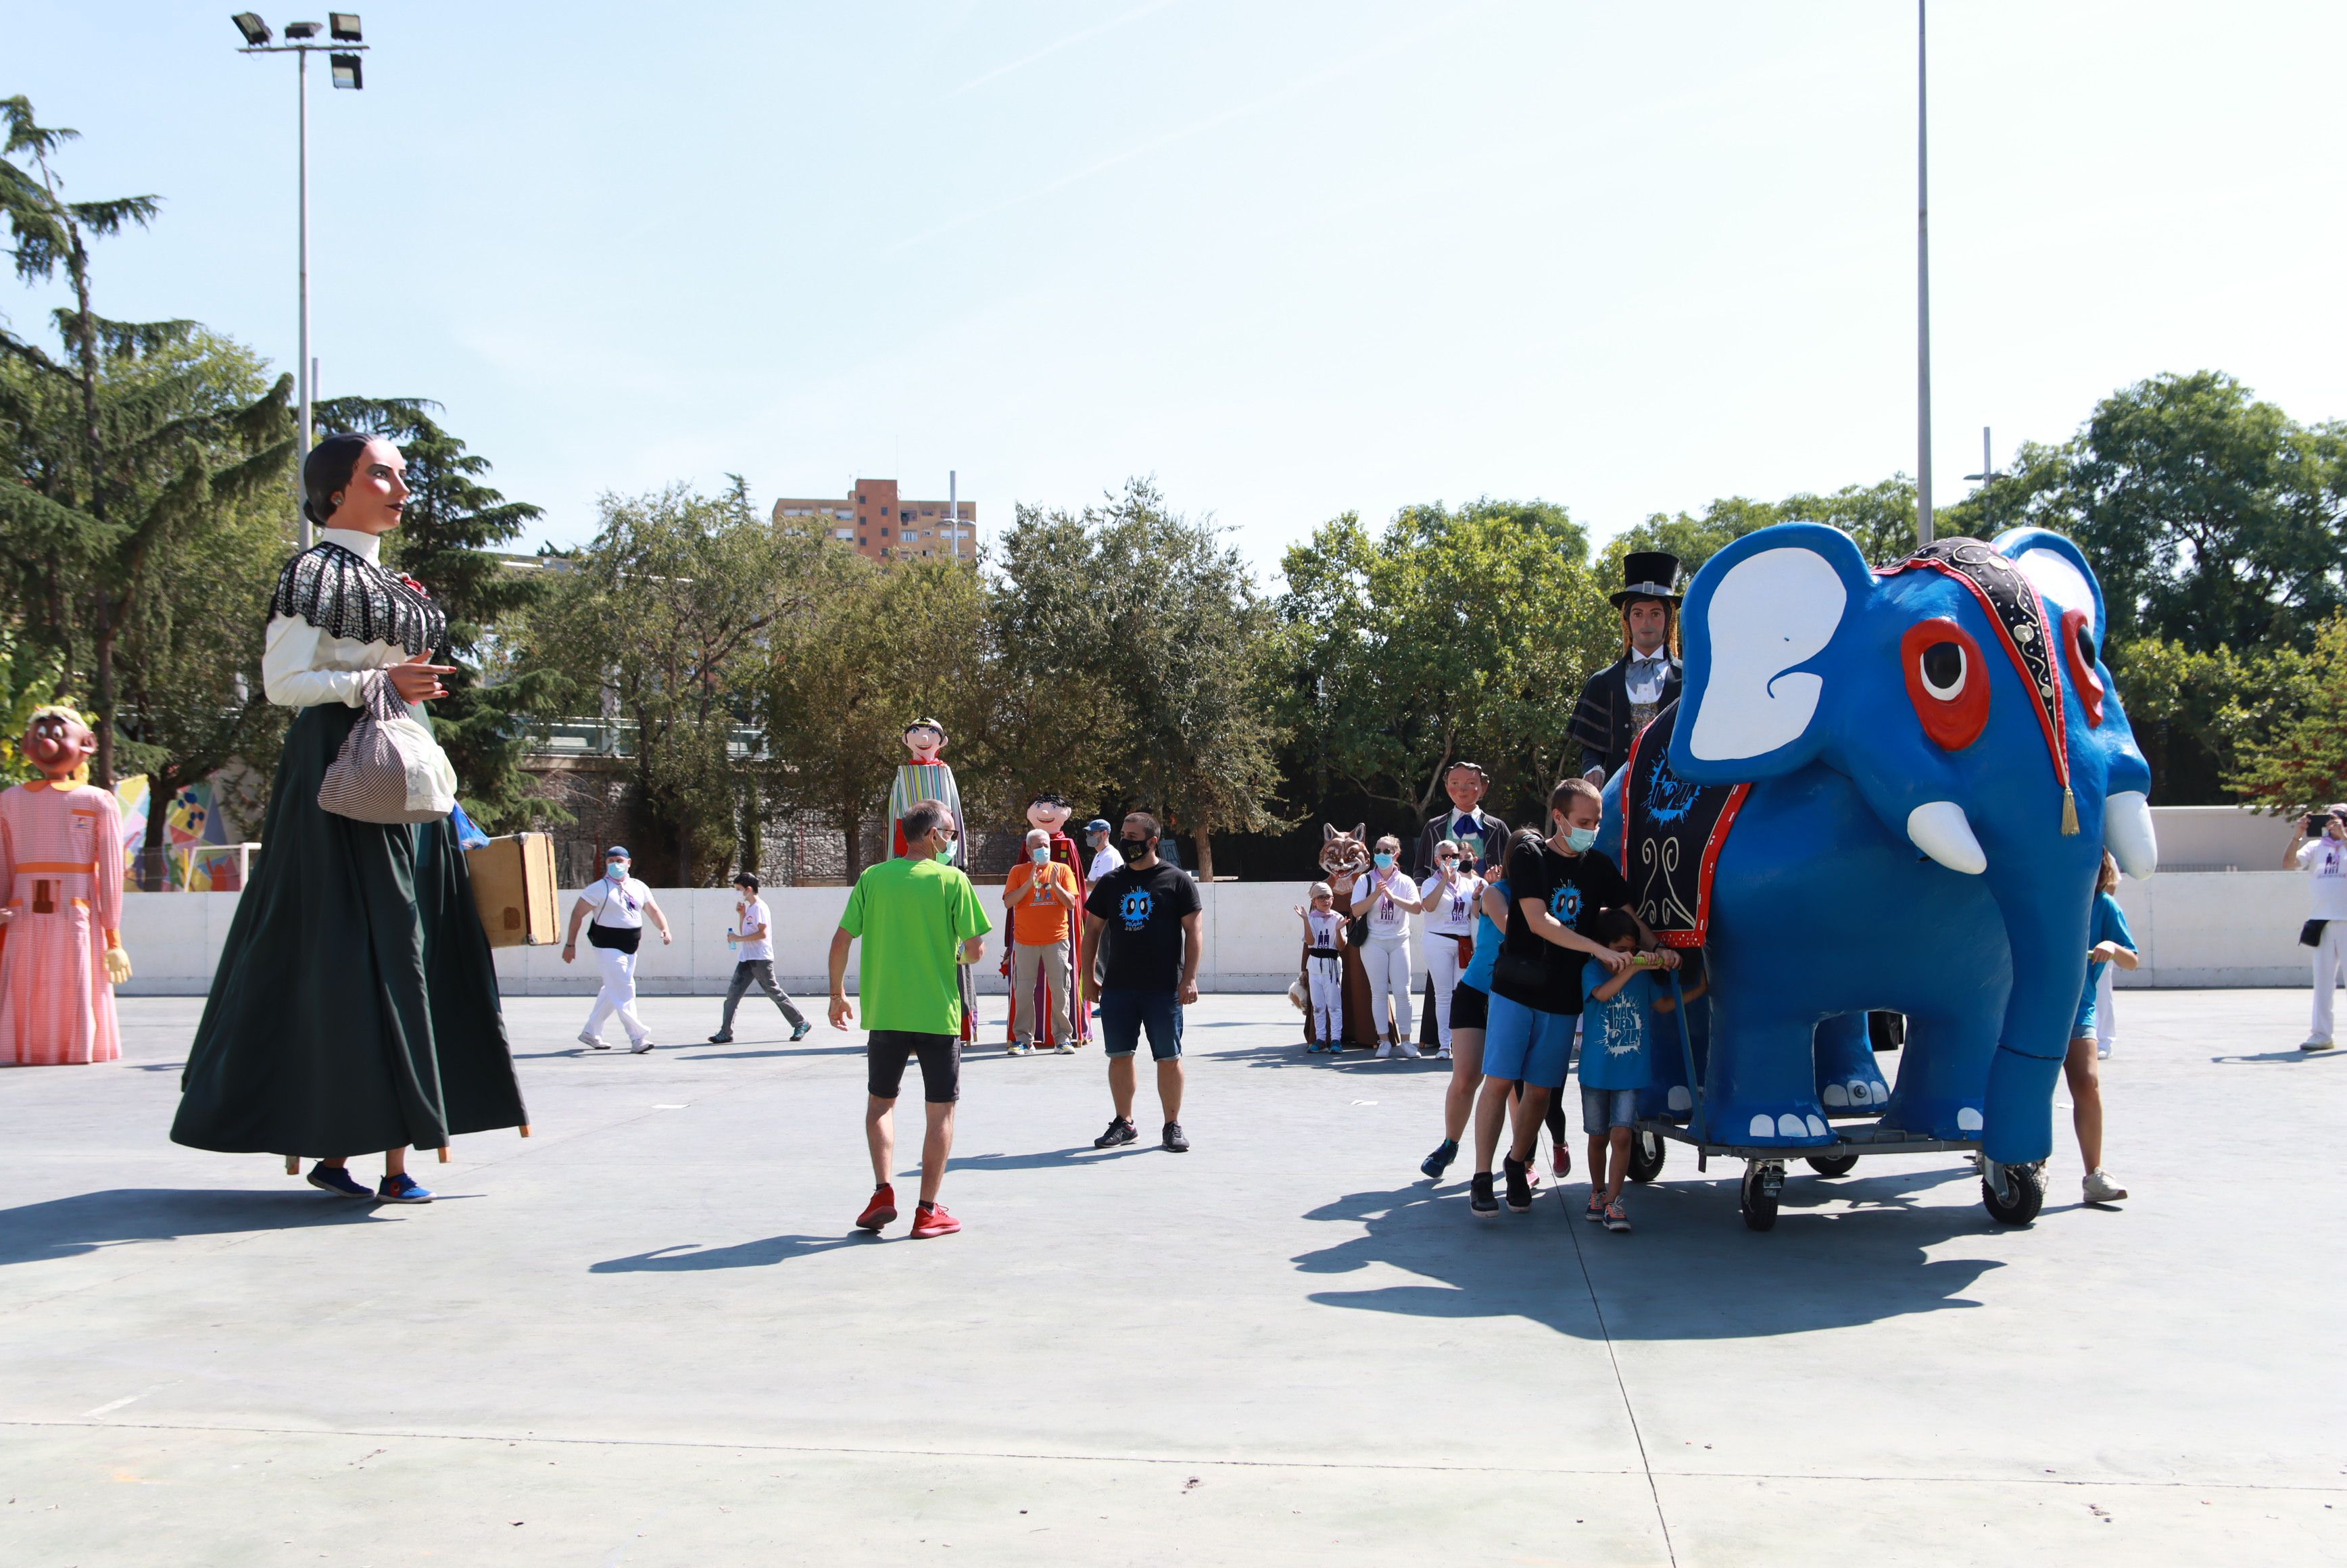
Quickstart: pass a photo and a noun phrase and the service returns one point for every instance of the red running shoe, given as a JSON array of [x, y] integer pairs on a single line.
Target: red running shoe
[[881, 1211], [934, 1221]]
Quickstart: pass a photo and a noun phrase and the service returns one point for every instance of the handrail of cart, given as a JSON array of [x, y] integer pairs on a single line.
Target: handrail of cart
[[1686, 1056]]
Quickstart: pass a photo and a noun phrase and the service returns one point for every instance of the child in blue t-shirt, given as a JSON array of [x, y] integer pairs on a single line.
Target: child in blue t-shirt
[[1617, 1058], [2111, 943]]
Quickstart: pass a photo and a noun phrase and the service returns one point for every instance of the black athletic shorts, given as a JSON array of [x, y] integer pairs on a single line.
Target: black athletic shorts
[[1469, 1007], [886, 1050]]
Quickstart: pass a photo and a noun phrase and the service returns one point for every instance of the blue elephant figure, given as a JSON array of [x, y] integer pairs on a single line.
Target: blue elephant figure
[[1937, 761]]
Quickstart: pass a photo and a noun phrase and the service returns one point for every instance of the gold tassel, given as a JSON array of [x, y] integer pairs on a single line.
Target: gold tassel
[[2069, 813], [293, 1164]]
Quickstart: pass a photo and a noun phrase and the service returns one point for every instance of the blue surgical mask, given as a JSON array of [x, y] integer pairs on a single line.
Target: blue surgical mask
[[617, 870], [1385, 862], [1580, 838], [1041, 854]]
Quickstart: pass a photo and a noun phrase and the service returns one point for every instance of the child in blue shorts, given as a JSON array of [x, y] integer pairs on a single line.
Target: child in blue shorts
[[2112, 943], [1617, 1059]]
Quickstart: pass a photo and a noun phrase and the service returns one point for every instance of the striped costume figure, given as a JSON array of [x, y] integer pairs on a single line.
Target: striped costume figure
[[61, 882], [926, 777]]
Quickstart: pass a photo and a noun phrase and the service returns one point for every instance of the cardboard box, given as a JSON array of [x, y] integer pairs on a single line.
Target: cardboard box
[[513, 886]]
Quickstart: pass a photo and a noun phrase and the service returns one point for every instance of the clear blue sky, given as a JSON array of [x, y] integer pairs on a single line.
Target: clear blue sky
[[1292, 258]]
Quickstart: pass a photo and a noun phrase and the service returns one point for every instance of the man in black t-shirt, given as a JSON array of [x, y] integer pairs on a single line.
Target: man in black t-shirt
[[1150, 916], [1555, 887]]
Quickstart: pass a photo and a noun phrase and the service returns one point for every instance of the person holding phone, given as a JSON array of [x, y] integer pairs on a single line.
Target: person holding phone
[[2319, 848]]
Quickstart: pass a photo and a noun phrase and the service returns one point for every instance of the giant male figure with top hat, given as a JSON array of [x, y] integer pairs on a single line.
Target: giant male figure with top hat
[[1623, 698]]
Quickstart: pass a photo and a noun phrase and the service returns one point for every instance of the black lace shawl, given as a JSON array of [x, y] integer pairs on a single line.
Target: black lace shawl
[[345, 595]]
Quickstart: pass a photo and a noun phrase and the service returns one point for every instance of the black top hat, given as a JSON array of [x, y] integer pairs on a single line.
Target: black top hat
[[1648, 574]]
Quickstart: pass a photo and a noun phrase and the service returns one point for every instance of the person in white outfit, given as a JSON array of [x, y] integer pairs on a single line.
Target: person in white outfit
[[619, 905], [1448, 896], [1388, 898], [2319, 848], [1324, 969]]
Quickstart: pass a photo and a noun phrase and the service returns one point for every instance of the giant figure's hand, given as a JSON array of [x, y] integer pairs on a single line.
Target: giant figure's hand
[[418, 681], [117, 966]]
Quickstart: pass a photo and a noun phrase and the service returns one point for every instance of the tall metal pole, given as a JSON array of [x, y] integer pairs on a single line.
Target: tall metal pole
[[302, 74], [1923, 290]]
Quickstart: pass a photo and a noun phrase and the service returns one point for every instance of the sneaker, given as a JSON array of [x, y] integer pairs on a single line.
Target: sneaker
[[881, 1211], [799, 1030], [1442, 1053], [1479, 1201], [1119, 1133], [1561, 1160], [1385, 1049], [2100, 1189], [2102, 1050], [640, 1046], [592, 1041], [722, 1037], [1175, 1141], [1409, 1050], [1595, 1211], [402, 1188], [1063, 1049], [1019, 1048], [2316, 1042], [1617, 1219], [1434, 1164], [931, 1219], [1520, 1190], [336, 1180]]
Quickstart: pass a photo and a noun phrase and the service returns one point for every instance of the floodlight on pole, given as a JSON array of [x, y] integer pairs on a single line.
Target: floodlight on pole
[[302, 41]]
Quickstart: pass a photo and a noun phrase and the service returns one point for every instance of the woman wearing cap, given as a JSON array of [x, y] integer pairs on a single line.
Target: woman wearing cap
[[1623, 698], [620, 904], [356, 1006]]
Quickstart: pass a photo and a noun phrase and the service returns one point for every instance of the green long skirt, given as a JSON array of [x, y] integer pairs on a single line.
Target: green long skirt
[[356, 1006]]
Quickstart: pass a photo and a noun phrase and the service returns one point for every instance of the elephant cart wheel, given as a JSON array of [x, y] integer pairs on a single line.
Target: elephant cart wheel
[[2025, 1196], [1833, 1164], [1646, 1153], [1757, 1198]]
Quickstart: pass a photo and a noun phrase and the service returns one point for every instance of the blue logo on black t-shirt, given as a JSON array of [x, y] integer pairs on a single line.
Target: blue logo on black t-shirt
[[1135, 907], [1565, 903]]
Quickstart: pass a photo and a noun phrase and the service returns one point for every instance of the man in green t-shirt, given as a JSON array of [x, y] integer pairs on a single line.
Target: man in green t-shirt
[[919, 919]]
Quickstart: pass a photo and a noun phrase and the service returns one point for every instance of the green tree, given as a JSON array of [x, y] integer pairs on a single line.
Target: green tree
[[29, 677], [1050, 724], [869, 648], [134, 431], [444, 541], [2214, 521], [1880, 516], [663, 620], [1450, 637], [2299, 763]]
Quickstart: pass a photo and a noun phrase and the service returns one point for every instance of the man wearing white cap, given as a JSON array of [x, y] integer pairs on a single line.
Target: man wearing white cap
[[619, 906]]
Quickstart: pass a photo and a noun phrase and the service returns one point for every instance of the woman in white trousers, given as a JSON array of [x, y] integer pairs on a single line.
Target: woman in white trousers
[[1388, 899], [1449, 897], [618, 905]]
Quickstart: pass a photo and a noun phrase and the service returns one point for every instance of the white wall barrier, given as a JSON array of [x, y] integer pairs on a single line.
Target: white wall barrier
[[2216, 930]]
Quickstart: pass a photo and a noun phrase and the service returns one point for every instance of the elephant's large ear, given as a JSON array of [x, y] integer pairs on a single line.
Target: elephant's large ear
[[2058, 570], [1759, 617]]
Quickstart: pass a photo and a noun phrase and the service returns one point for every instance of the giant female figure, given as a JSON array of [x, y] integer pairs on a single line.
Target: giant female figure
[[356, 1006]]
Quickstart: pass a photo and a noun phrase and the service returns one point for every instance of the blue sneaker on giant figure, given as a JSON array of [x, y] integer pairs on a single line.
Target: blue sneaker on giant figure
[[338, 1180], [402, 1188]]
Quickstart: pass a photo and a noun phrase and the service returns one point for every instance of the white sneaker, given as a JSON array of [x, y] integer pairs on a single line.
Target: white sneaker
[[2102, 1050], [591, 1042], [2100, 1189], [1063, 1049], [1385, 1049], [1443, 1054], [1410, 1049], [2316, 1042], [640, 1046]]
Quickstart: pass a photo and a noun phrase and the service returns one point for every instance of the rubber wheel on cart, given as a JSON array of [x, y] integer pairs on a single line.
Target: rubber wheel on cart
[[1833, 1164], [1757, 1203], [1646, 1153], [2028, 1185]]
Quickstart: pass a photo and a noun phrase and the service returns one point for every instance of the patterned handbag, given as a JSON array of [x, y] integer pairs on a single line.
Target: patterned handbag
[[390, 769]]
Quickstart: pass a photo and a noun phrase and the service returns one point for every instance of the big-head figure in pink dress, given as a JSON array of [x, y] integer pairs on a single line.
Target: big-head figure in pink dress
[[60, 904]]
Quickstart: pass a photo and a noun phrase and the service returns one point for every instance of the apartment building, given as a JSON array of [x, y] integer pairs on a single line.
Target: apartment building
[[883, 525]]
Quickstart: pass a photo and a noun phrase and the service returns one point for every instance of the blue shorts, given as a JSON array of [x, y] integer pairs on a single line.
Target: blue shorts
[[1125, 1014], [1523, 1042], [2085, 1028], [1604, 1108]]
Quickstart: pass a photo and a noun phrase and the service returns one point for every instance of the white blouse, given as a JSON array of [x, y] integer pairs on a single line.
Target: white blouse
[[302, 667], [1452, 913]]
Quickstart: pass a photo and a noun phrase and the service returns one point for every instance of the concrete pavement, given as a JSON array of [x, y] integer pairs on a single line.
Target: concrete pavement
[[649, 1336]]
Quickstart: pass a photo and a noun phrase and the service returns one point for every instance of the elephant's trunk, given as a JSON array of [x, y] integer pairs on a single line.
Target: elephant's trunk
[[2047, 914]]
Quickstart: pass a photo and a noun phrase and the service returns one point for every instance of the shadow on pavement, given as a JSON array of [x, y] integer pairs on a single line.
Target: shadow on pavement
[[67, 1227], [1689, 1271], [1044, 1158], [1293, 1054], [2277, 1056], [773, 1249]]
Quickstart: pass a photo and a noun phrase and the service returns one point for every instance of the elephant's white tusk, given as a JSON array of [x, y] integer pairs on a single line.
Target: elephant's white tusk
[[1940, 831], [2128, 835]]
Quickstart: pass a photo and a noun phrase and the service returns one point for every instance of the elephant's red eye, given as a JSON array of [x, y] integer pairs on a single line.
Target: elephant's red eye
[[1946, 680], [2078, 642]]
